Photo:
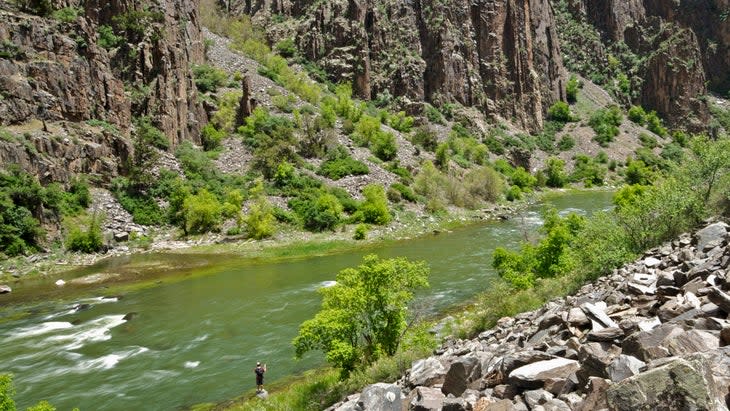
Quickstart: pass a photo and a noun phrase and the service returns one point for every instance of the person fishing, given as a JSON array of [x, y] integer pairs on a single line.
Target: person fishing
[[259, 370]]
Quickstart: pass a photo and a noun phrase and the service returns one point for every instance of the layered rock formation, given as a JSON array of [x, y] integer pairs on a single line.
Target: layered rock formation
[[685, 45], [501, 56], [653, 335], [57, 71]]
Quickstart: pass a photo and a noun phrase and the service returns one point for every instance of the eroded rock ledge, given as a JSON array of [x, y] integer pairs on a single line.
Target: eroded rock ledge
[[653, 335]]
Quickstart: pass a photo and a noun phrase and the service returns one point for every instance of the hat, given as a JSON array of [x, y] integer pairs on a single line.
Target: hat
[[258, 363]]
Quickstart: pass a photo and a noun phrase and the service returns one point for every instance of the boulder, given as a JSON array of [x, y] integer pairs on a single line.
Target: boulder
[[693, 341], [534, 375], [678, 385], [455, 381], [606, 334], [624, 366], [595, 395], [426, 399], [505, 391], [594, 358], [649, 345], [556, 405], [487, 404], [714, 232], [426, 372], [719, 298], [577, 318], [515, 360], [121, 236], [597, 313], [5, 289], [381, 397], [534, 398]]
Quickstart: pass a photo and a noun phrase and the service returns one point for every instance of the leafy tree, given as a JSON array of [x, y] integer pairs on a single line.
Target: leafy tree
[[88, 241], [560, 111], [374, 209], [555, 172], [260, 219], [710, 161], [638, 173], [571, 89], [201, 213], [318, 210], [364, 315]]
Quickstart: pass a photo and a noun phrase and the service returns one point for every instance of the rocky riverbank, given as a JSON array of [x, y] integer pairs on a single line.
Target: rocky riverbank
[[653, 335]]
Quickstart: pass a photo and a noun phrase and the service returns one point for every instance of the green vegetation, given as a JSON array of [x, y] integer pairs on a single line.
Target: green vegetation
[[560, 111], [107, 38], [7, 391], [364, 315], [67, 14], [571, 89], [209, 78], [85, 241], [605, 123], [338, 164]]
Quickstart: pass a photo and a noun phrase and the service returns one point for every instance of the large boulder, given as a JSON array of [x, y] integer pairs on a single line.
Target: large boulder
[[455, 381], [623, 367], [712, 233], [381, 397], [649, 345], [534, 375], [678, 385], [426, 372]]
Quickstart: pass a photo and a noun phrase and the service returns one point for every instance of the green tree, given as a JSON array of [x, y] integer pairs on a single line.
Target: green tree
[[710, 161], [202, 212], [7, 391], [260, 219], [364, 315], [555, 172], [374, 208]]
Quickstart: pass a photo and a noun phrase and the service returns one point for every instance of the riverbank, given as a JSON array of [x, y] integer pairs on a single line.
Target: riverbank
[[287, 243]]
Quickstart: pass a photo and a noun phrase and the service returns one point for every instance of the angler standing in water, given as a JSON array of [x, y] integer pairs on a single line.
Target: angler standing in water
[[259, 370]]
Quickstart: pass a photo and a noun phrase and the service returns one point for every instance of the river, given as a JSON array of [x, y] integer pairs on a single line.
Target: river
[[197, 339]]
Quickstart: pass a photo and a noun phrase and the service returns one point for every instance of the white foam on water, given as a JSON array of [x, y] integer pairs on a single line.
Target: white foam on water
[[569, 210], [40, 329], [327, 284], [91, 331], [108, 361], [201, 338], [191, 364]]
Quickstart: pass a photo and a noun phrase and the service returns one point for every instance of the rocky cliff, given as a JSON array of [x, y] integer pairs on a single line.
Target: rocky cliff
[[500, 56], [654, 335], [57, 70], [680, 49]]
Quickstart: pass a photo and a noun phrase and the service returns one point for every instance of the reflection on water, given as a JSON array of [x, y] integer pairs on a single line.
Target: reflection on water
[[197, 340]]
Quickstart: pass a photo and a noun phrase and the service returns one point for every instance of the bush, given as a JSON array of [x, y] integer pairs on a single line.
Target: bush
[[605, 123], [401, 122], [647, 140], [284, 103], [107, 39], [339, 164], [88, 241], [522, 179], [405, 192], [147, 133], [260, 218], [201, 213], [67, 14], [211, 137], [654, 124], [483, 184], [442, 156], [209, 78], [638, 173], [374, 209], [560, 111], [318, 210], [383, 145], [433, 114], [361, 231], [429, 183], [426, 138], [637, 115], [514, 193], [555, 173], [286, 48], [571, 89], [566, 143]]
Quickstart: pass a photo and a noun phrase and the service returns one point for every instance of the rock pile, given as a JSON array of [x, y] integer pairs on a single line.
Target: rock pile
[[654, 335]]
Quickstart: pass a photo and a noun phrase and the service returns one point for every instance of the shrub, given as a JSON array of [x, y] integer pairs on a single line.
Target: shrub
[[85, 241], [374, 209], [442, 156], [405, 192], [149, 134], [318, 210], [339, 164], [365, 130], [483, 184], [514, 193], [209, 78], [211, 136], [429, 183], [67, 14], [201, 213], [571, 89], [383, 145], [638, 173], [284, 103], [555, 173], [605, 123], [566, 143], [401, 122], [654, 124], [260, 218], [426, 138], [361, 231], [432, 114], [286, 47], [522, 179], [560, 111], [647, 140], [637, 115], [588, 171]]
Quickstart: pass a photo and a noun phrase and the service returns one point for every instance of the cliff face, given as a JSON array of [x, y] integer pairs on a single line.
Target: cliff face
[[500, 56], [686, 46], [58, 71]]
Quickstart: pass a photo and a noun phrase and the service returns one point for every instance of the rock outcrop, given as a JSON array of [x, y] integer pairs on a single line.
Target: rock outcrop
[[53, 70], [502, 57], [653, 335]]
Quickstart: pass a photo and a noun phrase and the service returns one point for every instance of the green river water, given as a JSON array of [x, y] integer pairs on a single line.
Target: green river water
[[196, 339]]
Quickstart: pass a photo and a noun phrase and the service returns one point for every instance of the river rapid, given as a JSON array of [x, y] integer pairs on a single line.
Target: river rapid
[[196, 339]]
